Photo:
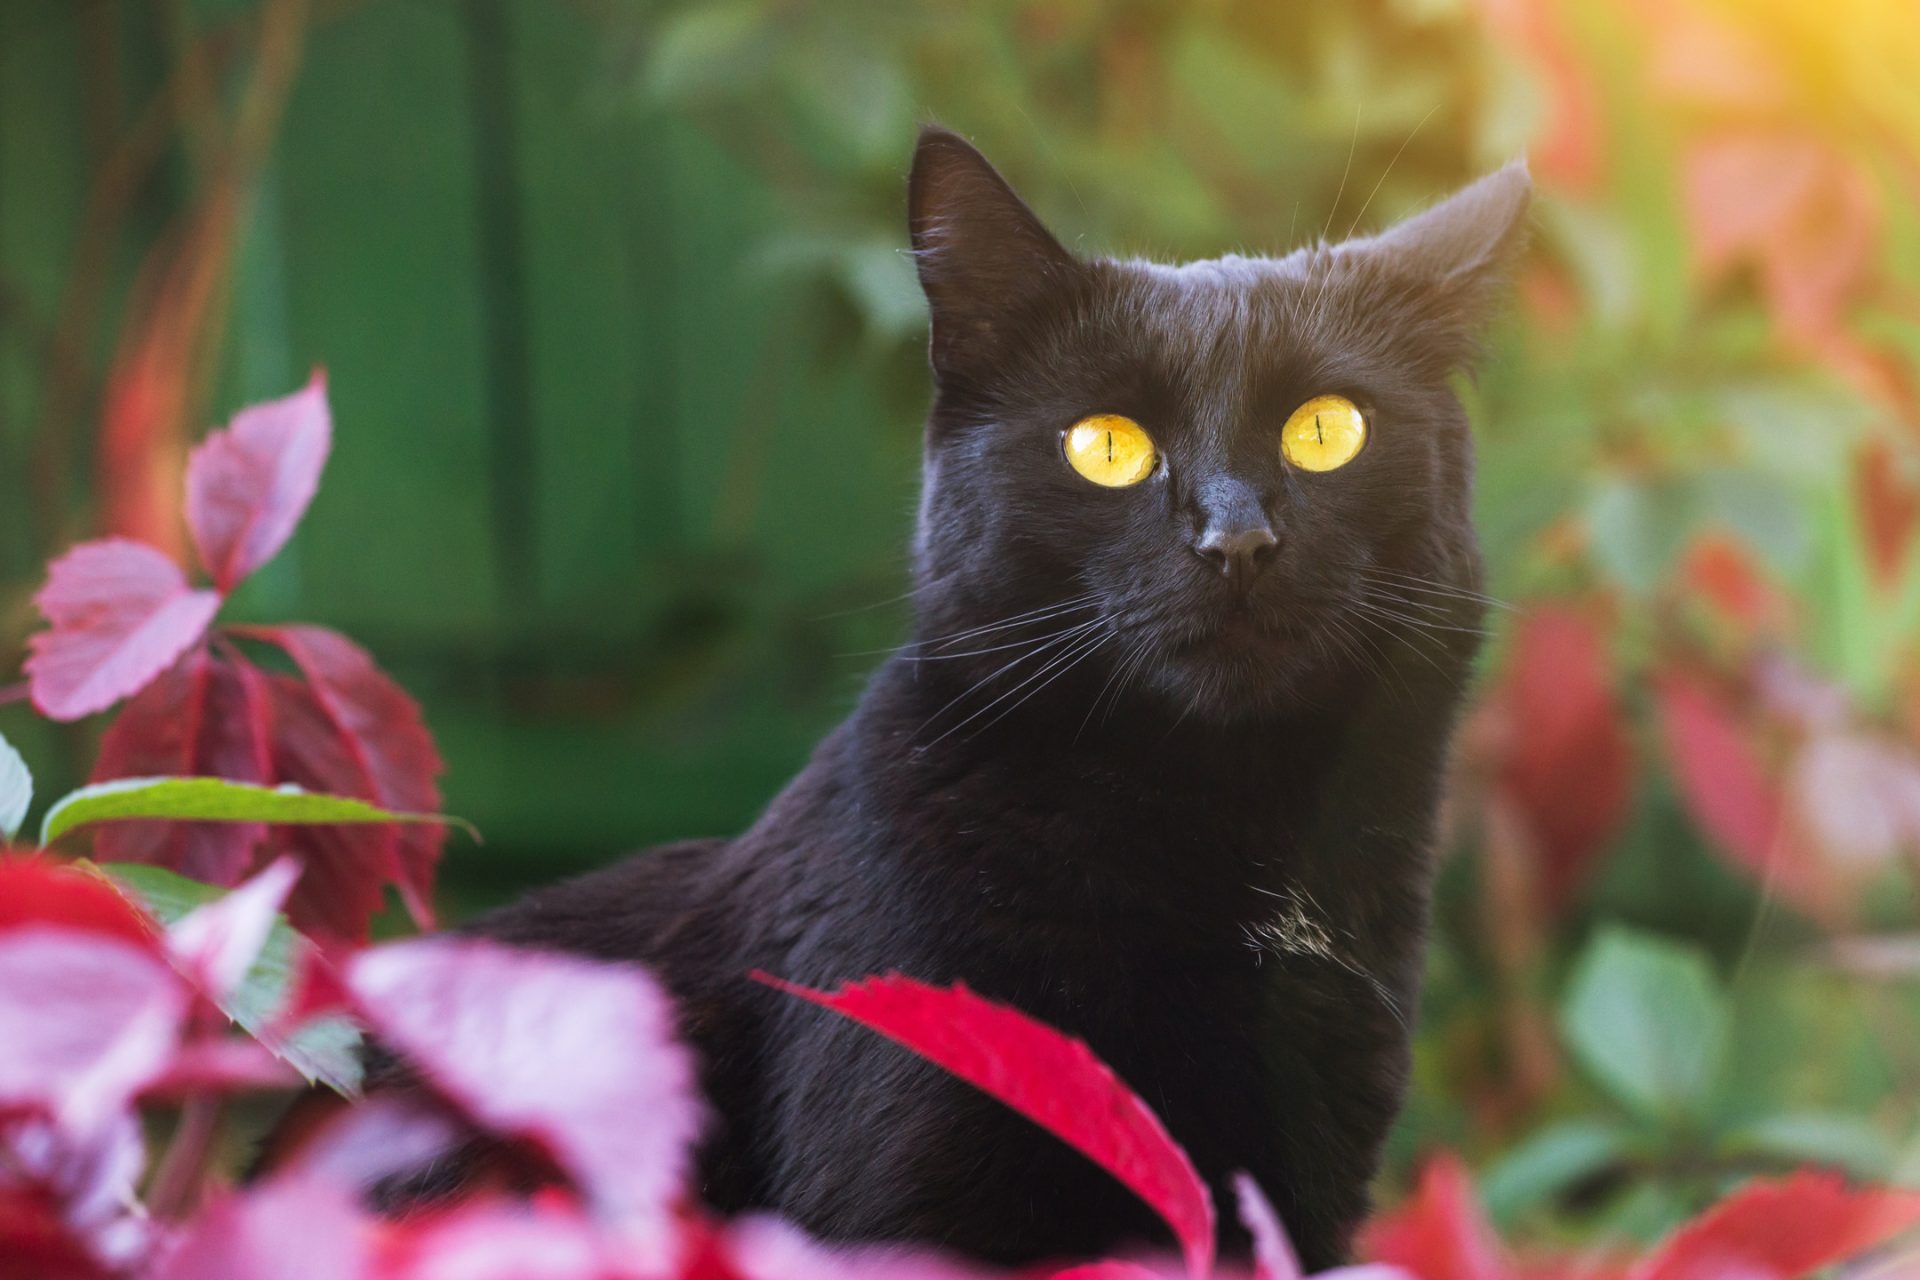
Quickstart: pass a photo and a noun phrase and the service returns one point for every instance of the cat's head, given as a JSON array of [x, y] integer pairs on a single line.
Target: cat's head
[[1223, 485]]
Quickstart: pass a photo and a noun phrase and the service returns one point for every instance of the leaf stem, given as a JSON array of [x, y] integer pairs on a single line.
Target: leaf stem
[[181, 1177]]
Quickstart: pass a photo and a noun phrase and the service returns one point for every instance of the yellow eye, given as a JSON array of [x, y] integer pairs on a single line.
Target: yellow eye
[[1323, 434], [1110, 450]]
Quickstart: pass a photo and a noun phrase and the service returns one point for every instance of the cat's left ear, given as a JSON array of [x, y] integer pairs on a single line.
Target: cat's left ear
[[1462, 251]]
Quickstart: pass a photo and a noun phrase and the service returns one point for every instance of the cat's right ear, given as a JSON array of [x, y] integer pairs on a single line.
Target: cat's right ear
[[983, 256]]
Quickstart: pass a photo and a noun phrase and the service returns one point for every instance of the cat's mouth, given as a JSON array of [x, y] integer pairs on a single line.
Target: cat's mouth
[[1236, 626]]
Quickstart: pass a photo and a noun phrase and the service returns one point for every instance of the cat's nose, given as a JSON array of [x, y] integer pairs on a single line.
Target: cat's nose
[[1239, 553]]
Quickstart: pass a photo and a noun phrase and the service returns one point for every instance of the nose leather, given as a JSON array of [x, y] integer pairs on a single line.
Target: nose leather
[[1235, 533]]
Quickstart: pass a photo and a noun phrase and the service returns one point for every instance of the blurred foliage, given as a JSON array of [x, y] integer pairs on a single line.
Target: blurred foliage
[[615, 311]]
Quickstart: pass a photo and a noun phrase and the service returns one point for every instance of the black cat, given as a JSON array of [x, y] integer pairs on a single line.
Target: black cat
[[1197, 595]]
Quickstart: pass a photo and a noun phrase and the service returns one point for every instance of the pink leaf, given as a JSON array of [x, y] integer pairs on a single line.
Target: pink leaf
[[506, 1241], [87, 1020], [204, 717], [1273, 1255], [1782, 1230], [1729, 795], [376, 1137], [289, 1227], [248, 486], [378, 749], [222, 1064], [121, 613], [575, 1057], [1440, 1233], [67, 1203], [764, 1248], [217, 943], [1052, 1079]]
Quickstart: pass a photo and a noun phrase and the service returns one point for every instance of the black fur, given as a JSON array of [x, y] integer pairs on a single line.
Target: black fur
[[1201, 840]]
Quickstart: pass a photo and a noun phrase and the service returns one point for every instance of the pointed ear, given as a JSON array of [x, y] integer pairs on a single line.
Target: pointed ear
[[1457, 257], [981, 253], [1475, 233]]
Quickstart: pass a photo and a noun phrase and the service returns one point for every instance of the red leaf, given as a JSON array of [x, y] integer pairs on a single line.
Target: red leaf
[[1571, 150], [1721, 570], [575, 1057], [345, 866], [380, 750], [121, 613], [36, 1245], [1886, 487], [204, 717], [1440, 1233], [1568, 762], [1782, 1230], [248, 486], [1052, 1079], [40, 891], [315, 989], [1796, 209], [1738, 804]]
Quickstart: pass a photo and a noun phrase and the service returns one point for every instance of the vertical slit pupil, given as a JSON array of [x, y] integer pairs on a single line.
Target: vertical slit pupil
[[1109, 446]]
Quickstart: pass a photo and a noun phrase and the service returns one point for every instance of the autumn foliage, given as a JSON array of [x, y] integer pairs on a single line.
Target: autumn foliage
[[126, 624], [108, 1015]]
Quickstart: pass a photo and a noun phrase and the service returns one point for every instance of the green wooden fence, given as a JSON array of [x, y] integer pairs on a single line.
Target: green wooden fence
[[588, 498]]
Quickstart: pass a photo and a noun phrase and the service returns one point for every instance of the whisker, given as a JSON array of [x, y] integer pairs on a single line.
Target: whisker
[[1378, 183], [1374, 604], [1121, 672], [1046, 613], [1032, 615], [1384, 629], [1072, 652], [1084, 653], [1414, 582], [998, 648], [1039, 648]]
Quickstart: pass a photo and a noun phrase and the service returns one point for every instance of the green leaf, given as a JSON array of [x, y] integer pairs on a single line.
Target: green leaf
[[212, 800], [1548, 1164], [1637, 530], [16, 790], [707, 51], [323, 1050], [1647, 1021], [1849, 1143]]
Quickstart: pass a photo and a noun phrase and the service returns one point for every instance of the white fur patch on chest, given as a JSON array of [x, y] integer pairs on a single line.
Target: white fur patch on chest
[[1300, 928]]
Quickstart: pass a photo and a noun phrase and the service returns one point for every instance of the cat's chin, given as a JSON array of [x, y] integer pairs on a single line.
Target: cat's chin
[[1239, 672]]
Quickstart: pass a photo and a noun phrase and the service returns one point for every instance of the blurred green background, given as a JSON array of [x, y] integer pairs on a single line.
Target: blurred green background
[[627, 368]]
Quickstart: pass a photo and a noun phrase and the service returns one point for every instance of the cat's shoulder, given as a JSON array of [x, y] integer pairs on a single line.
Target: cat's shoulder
[[618, 912]]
